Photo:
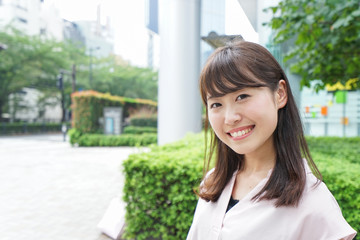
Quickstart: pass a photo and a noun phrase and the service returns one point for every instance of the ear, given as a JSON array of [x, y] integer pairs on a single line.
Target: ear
[[281, 94]]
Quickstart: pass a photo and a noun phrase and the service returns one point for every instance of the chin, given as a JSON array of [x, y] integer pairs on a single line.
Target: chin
[[237, 150]]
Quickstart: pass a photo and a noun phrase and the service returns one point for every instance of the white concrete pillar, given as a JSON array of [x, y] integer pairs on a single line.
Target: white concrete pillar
[[179, 109]]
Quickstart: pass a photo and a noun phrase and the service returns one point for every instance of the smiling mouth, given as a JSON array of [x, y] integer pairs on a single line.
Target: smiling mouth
[[241, 132]]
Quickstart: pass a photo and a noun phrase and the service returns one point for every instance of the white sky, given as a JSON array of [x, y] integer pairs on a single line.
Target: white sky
[[128, 22]]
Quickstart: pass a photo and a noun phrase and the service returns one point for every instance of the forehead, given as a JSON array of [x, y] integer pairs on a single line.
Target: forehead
[[214, 88], [227, 71]]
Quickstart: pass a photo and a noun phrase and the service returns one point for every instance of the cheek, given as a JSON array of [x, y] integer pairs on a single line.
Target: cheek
[[212, 119], [263, 111], [215, 122]]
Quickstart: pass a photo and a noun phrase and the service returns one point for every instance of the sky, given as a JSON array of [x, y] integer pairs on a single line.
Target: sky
[[126, 16], [128, 22]]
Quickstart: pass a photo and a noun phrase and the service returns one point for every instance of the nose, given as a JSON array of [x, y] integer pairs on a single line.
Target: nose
[[232, 116]]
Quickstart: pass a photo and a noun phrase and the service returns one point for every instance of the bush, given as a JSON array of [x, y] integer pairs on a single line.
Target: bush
[[74, 135], [159, 189], [144, 121], [139, 130], [159, 185], [23, 127], [88, 108], [346, 149], [93, 140]]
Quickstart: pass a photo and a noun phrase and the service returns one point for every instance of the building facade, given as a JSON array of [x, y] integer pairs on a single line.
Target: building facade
[[330, 112]]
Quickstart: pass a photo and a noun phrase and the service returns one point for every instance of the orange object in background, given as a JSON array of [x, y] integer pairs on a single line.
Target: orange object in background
[[324, 110], [307, 109], [345, 120]]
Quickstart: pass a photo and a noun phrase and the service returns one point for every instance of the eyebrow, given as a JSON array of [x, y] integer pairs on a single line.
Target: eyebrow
[[216, 96]]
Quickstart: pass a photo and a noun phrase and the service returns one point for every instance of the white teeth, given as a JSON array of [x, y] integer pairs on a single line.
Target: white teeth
[[240, 133]]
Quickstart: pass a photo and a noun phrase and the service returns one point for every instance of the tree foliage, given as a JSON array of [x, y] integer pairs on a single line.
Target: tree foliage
[[325, 36], [121, 79], [31, 61]]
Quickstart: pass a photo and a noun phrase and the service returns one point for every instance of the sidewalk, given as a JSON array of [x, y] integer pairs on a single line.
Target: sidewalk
[[52, 191]]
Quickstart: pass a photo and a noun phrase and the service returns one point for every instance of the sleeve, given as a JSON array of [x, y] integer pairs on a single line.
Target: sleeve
[[324, 220]]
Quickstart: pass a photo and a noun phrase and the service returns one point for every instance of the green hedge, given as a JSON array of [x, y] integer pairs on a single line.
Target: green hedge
[[159, 184], [159, 189], [139, 130], [88, 108], [93, 140], [347, 149], [22, 127], [144, 121]]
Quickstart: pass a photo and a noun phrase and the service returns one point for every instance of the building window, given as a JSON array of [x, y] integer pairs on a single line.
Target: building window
[[22, 20]]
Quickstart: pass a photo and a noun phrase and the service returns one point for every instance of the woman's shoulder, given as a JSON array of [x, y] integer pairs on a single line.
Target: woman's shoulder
[[317, 195], [317, 199], [320, 208]]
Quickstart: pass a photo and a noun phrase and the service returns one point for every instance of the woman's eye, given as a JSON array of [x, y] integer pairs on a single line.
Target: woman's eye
[[242, 96], [215, 105]]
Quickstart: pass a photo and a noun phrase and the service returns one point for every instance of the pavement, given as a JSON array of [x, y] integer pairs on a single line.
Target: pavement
[[50, 190]]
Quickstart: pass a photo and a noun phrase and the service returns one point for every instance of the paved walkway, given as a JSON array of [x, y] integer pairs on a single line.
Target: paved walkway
[[52, 191]]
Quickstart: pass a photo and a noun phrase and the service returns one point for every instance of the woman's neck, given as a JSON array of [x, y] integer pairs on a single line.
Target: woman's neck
[[259, 161]]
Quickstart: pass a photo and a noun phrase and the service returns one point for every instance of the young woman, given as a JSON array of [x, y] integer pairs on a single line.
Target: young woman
[[265, 184]]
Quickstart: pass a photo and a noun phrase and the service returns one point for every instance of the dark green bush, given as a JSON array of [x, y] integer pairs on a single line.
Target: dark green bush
[[144, 121], [23, 127], [159, 184], [139, 130], [93, 140], [347, 149]]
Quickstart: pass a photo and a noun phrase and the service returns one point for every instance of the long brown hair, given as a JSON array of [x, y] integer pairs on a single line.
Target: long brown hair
[[231, 68]]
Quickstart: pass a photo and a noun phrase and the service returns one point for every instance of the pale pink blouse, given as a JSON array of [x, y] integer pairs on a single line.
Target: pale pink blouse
[[317, 217]]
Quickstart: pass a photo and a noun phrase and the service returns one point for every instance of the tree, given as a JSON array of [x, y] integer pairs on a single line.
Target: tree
[[118, 78], [325, 36], [32, 61]]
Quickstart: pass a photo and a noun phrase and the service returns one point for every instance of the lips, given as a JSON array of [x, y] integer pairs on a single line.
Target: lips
[[239, 132]]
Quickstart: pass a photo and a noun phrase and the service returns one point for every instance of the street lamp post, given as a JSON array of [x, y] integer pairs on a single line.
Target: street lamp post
[[91, 49]]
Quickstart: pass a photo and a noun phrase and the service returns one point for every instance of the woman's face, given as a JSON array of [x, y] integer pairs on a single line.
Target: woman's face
[[245, 120]]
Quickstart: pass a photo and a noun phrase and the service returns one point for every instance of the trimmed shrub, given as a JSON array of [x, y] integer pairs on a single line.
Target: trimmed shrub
[[23, 127], [347, 149], [159, 185], [139, 130], [74, 135], [144, 121], [96, 140], [88, 108], [159, 189]]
